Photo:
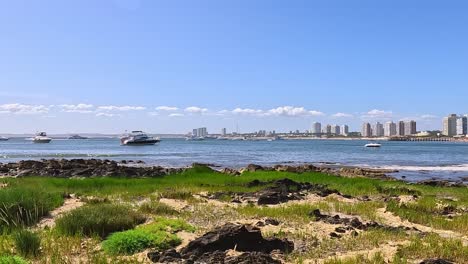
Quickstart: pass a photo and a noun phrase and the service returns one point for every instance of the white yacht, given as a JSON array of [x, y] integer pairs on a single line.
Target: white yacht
[[3, 138], [138, 138], [373, 145], [41, 137]]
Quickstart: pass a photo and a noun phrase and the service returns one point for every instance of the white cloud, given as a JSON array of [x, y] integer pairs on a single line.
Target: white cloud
[[375, 113], [78, 108], [247, 111], [176, 115], [195, 110], [293, 111], [316, 113], [166, 108], [429, 117], [106, 115], [23, 109], [121, 108], [340, 115]]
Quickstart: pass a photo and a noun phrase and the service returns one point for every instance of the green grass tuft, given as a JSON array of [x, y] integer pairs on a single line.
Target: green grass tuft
[[27, 243], [22, 207], [12, 260], [158, 235], [98, 219], [157, 208]]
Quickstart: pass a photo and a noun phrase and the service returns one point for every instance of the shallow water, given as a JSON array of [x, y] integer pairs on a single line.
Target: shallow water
[[415, 160]]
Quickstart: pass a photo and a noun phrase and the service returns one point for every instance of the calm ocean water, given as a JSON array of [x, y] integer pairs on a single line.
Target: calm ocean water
[[415, 160]]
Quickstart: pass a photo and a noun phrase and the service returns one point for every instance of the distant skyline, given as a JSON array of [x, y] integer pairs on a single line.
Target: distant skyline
[[167, 67]]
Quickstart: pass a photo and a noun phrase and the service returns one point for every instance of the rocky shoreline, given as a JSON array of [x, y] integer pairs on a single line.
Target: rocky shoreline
[[83, 168]]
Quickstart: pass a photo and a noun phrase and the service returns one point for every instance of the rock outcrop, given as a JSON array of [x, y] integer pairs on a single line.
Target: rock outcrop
[[213, 246], [64, 168]]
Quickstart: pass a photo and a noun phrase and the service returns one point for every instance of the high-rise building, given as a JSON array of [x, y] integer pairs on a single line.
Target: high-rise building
[[450, 125], [344, 130], [378, 130], [390, 129], [410, 128], [316, 128], [366, 130], [462, 125], [401, 128], [327, 129], [223, 131], [200, 132], [336, 129]]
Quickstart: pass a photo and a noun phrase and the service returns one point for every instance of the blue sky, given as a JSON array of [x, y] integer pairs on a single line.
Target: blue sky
[[110, 65]]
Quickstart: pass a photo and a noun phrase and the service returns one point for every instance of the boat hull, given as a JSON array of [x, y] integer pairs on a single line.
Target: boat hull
[[140, 143], [42, 141]]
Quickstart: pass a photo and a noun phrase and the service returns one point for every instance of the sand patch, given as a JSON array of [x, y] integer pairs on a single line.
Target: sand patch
[[179, 205], [68, 205]]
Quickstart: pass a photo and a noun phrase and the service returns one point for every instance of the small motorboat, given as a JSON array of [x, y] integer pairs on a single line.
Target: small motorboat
[[373, 145], [138, 138], [3, 138], [77, 137], [41, 137]]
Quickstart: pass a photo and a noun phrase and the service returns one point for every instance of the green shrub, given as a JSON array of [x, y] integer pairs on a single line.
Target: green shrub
[[27, 243], [12, 260], [157, 208], [132, 241], [20, 207], [158, 235], [98, 219]]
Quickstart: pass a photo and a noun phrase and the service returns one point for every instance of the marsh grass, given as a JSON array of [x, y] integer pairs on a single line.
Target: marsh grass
[[12, 260], [426, 212], [22, 207], [157, 208], [359, 259], [27, 243], [434, 246], [300, 212], [369, 239], [98, 219]]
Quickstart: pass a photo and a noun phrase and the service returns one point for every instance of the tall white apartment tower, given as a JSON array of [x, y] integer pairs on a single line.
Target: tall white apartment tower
[[378, 130], [462, 125], [366, 130], [410, 128], [316, 128], [450, 125], [336, 129], [390, 129], [344, 130]]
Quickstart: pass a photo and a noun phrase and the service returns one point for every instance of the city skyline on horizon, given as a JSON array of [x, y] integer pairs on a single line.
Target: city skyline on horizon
[[115, 65]]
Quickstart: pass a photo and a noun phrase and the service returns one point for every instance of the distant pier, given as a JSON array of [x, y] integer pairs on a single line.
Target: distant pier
[[421, 139]]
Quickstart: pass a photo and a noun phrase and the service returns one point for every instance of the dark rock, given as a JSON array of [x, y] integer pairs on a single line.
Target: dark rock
[[255, 183], [253, 167], [436, 261], [153, 256], [271, 221], [80, 168], [170, 256], [316, 213], [230, 236], [340, 230], [334, 235], [252, 257]]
